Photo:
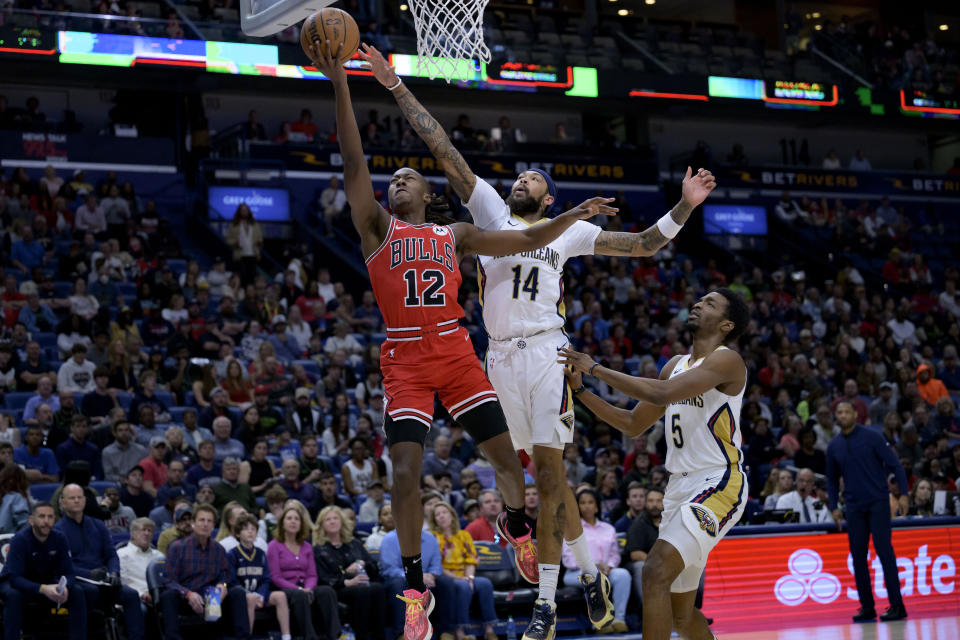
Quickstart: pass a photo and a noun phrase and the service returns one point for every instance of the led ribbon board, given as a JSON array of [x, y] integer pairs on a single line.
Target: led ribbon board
[[237, 58], [922, 103]]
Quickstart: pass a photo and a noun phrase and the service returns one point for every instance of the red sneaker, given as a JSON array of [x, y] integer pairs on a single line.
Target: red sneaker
[[416, 625], [524, 550]]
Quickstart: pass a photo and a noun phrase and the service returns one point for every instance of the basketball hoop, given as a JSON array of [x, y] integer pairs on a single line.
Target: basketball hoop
[[265, 17], [448, 32]]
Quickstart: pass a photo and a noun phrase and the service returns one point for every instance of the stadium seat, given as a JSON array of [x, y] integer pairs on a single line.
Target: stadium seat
[[496, 564], [125, 398], [17, 400], [102, 485], [165, 397], [43, 491]]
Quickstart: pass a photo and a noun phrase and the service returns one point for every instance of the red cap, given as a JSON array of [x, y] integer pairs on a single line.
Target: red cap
[[261, 390]]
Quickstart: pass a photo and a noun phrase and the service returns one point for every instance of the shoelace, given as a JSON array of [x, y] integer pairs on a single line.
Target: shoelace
[[523, 549], [414, 607]]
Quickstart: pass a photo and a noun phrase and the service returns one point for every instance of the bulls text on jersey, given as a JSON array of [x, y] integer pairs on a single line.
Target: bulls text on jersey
[[417, 249]]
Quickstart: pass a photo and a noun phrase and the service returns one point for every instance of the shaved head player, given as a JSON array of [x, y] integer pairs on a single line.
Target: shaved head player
[[522, 298], [700, 395]]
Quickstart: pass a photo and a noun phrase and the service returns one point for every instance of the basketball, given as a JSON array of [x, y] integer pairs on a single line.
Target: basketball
[[335, 25]]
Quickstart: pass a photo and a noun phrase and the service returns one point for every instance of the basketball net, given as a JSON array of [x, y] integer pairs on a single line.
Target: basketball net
[[448, 33]]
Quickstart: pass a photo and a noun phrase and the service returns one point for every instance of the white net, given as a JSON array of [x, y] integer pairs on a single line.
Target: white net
[[449, 36]]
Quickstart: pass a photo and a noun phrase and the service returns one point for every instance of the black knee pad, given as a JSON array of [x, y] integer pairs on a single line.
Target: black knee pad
[[484, 422], [405, 431]]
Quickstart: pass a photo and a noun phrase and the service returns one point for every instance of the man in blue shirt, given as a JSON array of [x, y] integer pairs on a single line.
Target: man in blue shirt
[[864, 459], [39, 462], [77, 447], [27, 253], [95, 558], [37, 559], [442, 586]]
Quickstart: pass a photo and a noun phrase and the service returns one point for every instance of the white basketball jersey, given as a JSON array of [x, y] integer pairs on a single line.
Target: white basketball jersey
[[522, 294], [703, 432]]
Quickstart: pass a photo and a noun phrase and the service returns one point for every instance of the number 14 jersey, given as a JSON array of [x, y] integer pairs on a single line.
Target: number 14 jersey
[[522, 294]]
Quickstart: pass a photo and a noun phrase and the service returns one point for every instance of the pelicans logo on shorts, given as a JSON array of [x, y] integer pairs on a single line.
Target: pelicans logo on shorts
[[707, 523]]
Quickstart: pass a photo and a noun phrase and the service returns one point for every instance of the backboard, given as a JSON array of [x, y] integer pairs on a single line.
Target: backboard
[[265, 17]]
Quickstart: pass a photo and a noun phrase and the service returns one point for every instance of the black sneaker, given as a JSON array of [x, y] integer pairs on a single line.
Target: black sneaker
[[894, 613], [596, 589], [865, 615], [543, 623]]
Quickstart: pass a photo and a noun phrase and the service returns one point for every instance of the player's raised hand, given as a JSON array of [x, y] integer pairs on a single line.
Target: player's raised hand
[[326, 61], [697, 187], [382, 71], [592, 207], [579, 362]]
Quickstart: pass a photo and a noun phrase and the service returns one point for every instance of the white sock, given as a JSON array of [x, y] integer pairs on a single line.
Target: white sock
[[582, 553], [285, 636], [549, 574]]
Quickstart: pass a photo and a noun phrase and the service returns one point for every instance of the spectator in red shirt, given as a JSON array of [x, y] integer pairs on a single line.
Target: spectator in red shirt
[[851, 394], [484, 527], [154, 469], [771, 376], [305, 126], [893, 268]]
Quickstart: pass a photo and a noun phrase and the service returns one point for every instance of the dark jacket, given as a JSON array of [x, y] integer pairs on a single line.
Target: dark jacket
[[333, 561], [31, 563], [864, 459]]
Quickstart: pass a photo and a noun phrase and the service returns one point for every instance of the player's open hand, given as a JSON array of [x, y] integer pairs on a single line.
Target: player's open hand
[[382, 71], [579, 362], [592, 207], [697, 187], [327, 62]]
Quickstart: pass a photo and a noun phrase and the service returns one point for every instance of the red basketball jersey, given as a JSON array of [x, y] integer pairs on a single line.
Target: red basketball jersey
[[416, 276]]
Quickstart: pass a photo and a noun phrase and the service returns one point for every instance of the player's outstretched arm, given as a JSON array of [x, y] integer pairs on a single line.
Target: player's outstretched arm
[[369, 218], [633, 423], [696, 188], [471, 239], [721, 367], [454, 166]]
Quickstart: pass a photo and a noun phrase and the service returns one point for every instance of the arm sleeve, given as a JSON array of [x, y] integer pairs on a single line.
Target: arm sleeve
[[390, 564], [613, 548], [431, 555], [832, 492], [488, 209], [264, 588], [67, 567], [311, 580], [173, 575], [16, 566], [581, 238], [892, 463], [273, 560], [372, 568], [112, 560], [327, 574]]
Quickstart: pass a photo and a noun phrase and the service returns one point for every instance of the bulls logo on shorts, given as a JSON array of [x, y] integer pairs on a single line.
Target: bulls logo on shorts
[[707, 523]]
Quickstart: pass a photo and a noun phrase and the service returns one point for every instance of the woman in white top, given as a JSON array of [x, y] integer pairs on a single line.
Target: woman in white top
[[8, 433], [359, 471], [245, 238], [336, 437], [72, 330], [296, 327], [177, 311], [82, 303]]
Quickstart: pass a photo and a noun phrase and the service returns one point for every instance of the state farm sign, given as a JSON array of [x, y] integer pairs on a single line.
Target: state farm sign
[[786, 581]]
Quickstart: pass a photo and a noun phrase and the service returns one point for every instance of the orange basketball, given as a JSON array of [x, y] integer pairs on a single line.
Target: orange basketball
[[335, 25]]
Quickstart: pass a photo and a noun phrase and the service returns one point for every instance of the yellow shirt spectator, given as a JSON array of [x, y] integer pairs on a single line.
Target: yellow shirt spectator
[[456, 551]]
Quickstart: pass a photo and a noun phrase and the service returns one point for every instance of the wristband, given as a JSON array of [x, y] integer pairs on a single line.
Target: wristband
[[594, 366], [668, 227], [577, 392], [396, 86]]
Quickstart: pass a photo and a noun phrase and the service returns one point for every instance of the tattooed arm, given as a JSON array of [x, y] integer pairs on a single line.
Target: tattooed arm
[[696, 188], [454, 166]]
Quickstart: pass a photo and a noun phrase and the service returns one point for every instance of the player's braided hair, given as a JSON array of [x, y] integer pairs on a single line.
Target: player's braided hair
[[438, 210]]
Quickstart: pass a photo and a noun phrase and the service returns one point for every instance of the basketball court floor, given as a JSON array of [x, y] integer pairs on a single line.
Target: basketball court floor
[[947, 628]]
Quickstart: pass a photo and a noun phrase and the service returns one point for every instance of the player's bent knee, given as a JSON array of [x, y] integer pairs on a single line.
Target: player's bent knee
[[656, 572]]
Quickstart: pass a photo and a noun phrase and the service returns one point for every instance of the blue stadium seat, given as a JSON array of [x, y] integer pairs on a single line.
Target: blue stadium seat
[[378, 338], [62, 289], [102, 485], [310, 366], [176, 414], [177, 265], [125, 398], [127, 289], [43, 491], [45, 339], [189, 399], [366, 527], [17, 400], [165, 397]]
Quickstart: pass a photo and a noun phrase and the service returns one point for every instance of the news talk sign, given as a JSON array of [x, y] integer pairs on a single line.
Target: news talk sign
[[781, 582]]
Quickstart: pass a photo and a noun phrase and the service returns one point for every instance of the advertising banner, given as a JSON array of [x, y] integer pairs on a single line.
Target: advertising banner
[[54, 148], [791, 581], [627, 170], [267, 205], [841, 181]]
